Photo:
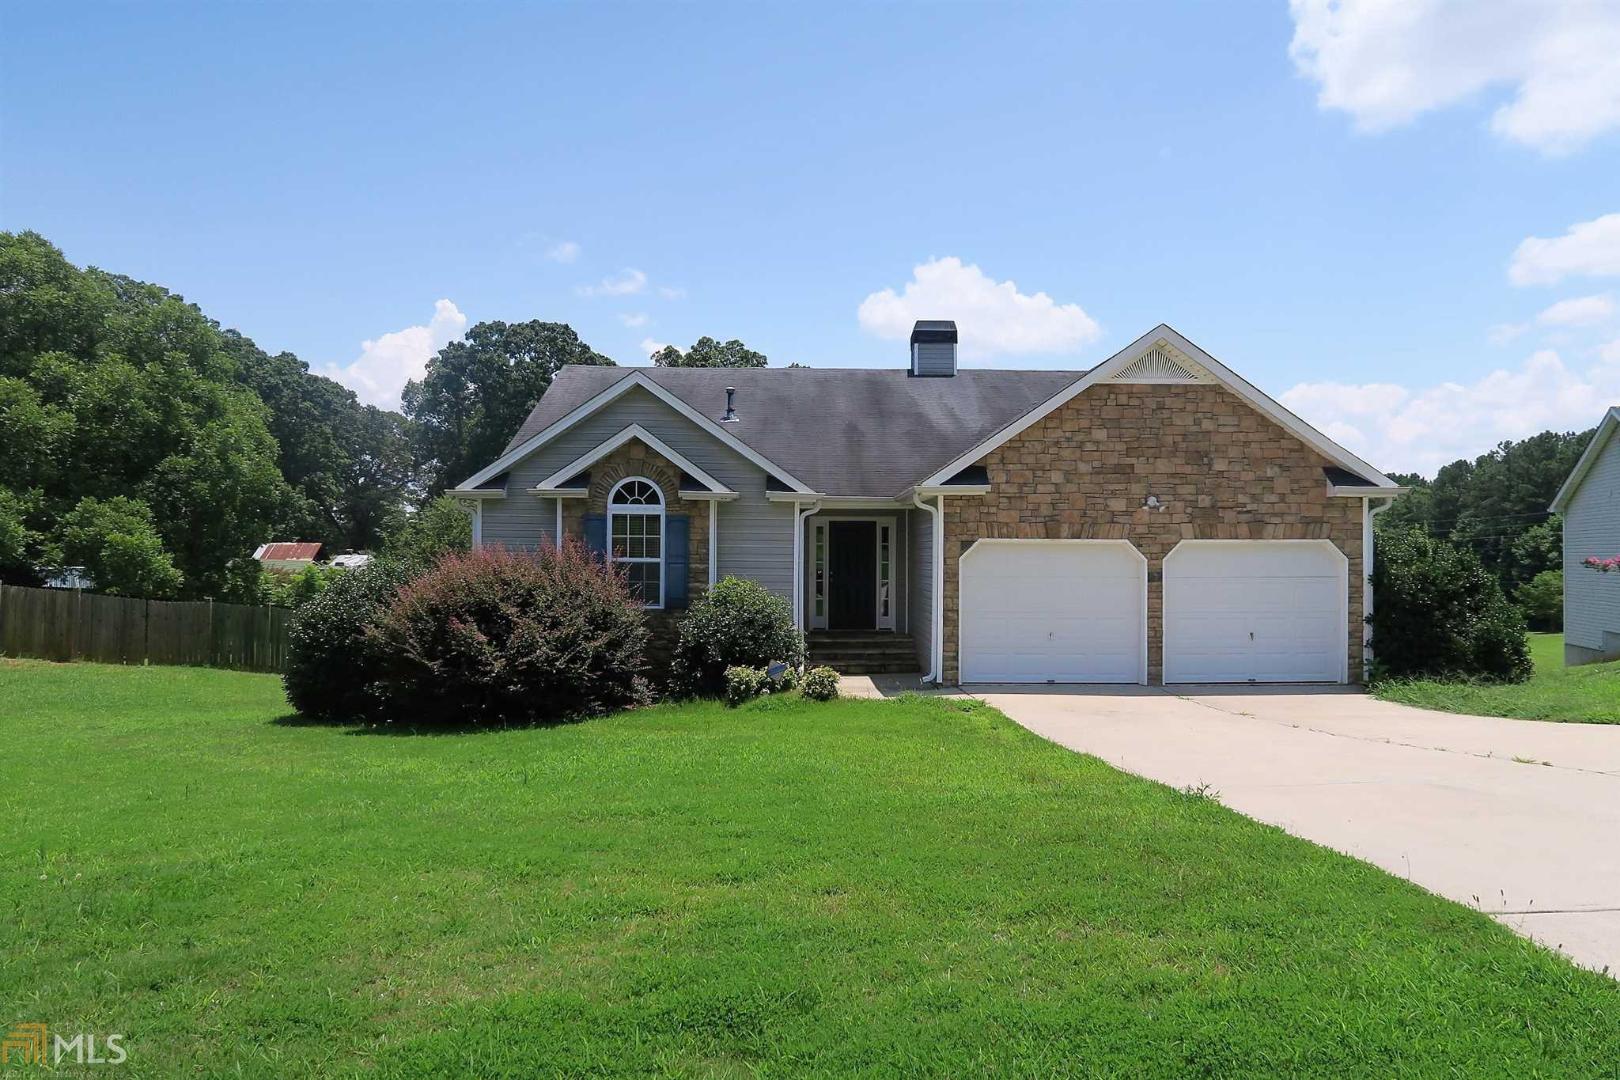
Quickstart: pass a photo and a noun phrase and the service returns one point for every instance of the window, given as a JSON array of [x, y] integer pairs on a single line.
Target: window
[[636, 537]]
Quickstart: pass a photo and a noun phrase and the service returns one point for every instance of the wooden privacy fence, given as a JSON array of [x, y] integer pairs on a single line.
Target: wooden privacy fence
[[65, 624]]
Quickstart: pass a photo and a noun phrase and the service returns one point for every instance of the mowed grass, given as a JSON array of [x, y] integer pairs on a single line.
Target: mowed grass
[[1589, 694], [915, 887]]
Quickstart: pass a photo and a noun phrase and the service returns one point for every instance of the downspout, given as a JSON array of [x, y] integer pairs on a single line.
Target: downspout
[[478, 524], [798, 559], [714, 541], [1368, 512], [936, 647], [558, 535]]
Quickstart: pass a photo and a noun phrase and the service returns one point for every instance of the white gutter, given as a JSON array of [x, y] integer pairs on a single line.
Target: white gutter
[[1368, 512], [558, 536], [714, 542], [936, 647]]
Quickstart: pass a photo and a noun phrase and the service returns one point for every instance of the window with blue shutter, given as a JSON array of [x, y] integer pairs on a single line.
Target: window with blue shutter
[[596, 534], [677, 559]]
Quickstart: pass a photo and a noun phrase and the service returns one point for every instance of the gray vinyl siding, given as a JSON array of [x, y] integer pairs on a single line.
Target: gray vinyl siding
[[1592, 527], [920, 613], [756, 536], [933, 358]]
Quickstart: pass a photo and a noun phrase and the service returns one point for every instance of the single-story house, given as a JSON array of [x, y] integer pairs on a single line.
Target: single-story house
[[1153, 519], [286, 556], [1590, 504]]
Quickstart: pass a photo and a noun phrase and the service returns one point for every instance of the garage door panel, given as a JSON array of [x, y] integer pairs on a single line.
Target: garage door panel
[[1254, 611], [1052, 611]]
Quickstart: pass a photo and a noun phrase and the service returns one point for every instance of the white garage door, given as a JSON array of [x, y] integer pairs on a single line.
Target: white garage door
[[1053, 611], [1255, 611]]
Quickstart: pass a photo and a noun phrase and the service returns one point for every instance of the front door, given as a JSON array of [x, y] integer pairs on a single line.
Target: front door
[[851, 575]]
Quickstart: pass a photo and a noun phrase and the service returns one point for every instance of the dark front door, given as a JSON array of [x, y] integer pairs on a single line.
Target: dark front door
[[851, 575]]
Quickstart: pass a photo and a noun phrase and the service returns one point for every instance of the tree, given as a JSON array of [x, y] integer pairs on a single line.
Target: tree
[[1542, 599], [440, 527], [20, 545], [117, 544], [1495, 505], [113, 388], [710, 353], [478, 391]]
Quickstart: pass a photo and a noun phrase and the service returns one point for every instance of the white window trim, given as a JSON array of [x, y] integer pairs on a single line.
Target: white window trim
[[641, 510]]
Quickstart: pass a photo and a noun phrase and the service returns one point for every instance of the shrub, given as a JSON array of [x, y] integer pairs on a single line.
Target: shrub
[[744, 684], [332, 665], [498, 637], [737, 624], [820, 684], [439, 528], [1441, 614], [1542, 600]]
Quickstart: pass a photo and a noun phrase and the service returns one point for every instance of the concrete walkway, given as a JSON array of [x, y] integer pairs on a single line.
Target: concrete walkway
[[1516, 818]]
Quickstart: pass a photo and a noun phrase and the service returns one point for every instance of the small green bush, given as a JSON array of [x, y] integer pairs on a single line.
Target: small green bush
[[737, 624], [332, 665], [744, 684], [1542, 600], [1441, 614], [820, 684]]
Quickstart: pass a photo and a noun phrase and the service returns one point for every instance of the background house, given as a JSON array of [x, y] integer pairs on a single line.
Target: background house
[[1590, 503], [286, 556]]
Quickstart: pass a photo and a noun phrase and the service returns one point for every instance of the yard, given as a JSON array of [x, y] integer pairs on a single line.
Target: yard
[[1580, 695], [913, 887]]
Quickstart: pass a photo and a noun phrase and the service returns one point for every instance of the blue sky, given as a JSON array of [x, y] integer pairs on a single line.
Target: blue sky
[[1342, 203]]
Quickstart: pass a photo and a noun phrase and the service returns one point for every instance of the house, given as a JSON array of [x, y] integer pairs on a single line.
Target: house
[[350, 560], [1590, 504], [1153, 519], [286, 557]]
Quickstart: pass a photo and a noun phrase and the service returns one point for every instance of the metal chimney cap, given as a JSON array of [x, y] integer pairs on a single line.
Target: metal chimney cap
[[934, 330]]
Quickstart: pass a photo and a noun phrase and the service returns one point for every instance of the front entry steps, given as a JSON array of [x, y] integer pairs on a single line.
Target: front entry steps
[[862, 652]]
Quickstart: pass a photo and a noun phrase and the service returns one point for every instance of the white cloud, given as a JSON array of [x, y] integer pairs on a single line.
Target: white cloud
[[992, 317], [1404, 430], [387, 362], [564, 251], [626, 282], [649, 346], [1387, 61], [1588, 247], [1503, 333], [1578, 311], [633, 318]]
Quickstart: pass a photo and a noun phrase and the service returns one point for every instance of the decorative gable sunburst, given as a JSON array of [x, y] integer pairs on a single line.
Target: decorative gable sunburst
[[1162, 363]]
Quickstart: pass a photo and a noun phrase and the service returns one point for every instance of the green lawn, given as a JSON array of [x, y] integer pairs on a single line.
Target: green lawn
[[912, 887], [1589, 694]]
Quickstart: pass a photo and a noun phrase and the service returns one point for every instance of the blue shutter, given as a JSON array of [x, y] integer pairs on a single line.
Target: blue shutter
[[677, 559], [596, 534]]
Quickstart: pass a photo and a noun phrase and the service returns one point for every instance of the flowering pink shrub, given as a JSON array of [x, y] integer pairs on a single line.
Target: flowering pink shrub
[[1602, 565]]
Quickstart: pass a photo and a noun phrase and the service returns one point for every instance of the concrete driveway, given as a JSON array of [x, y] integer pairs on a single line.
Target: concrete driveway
[[1516, 818]]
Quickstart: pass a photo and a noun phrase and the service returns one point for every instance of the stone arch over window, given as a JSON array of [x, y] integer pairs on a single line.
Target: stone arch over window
[[635, 535]]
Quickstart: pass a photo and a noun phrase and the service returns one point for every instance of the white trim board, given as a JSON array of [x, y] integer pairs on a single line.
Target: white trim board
[[1589, 456], [634, 431], [631, 381], [1128, 355]]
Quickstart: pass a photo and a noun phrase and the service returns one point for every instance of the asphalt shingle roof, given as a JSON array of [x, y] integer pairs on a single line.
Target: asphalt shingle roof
[[843, 431]]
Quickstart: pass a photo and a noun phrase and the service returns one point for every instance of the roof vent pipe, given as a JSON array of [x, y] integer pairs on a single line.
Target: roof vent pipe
[[731, 416], [933, 348]]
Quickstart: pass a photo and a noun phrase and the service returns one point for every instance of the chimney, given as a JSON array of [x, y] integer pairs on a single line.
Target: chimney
[[731, 416], [933, 348]]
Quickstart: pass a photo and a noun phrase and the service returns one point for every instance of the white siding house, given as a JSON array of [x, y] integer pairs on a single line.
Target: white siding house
[[1590, 503]]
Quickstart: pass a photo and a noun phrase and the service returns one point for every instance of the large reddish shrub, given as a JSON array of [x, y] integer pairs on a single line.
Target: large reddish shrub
[[494, 637]]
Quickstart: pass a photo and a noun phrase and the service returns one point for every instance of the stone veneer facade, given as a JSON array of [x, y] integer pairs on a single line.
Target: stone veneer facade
[[636, 459], [1223, 470]]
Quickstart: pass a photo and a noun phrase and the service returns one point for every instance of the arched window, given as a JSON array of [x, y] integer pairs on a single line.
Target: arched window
[[636, 537]]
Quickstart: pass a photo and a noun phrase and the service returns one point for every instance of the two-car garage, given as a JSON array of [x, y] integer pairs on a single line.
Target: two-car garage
[[1076, 611]]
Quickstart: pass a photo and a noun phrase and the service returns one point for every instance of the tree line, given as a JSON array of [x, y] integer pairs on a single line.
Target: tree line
[[143, 441]]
